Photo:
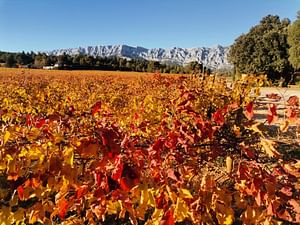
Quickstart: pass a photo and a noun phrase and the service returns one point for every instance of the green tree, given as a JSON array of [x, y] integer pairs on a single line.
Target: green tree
[[152, 66], [23, 59], [41, 60], [194, 67], [20, 58], [10, 60], [263, 50], [62, 60], [294, 42]]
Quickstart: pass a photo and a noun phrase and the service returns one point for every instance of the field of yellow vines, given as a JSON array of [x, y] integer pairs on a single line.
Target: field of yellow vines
[[94, 147]]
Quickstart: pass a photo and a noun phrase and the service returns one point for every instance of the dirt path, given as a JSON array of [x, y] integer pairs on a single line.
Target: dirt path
[[261, 109], [285, 92]]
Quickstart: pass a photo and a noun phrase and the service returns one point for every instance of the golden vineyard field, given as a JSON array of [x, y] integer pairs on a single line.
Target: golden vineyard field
[[88, 147]]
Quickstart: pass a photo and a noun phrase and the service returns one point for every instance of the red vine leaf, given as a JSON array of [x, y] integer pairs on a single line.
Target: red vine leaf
[[96, 108], [20, 190], [130, 178], [249, 153], [29, 120], [171, 174], [81, 190], [62, 207], [249, 110], [117, 173], [272, 114], [124, 184], [293, 101], [168, 218], [291, 113], [218, 117]]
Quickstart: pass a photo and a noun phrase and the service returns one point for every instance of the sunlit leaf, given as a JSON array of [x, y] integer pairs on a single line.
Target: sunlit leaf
[[69, 156], [113, 207], [181, 210], [184, 193], [171, 194], [225, 214], [268, 146], [284, 126], [156, 217], [6, 137]]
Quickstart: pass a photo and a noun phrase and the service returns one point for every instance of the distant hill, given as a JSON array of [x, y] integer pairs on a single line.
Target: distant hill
[[213, 57]]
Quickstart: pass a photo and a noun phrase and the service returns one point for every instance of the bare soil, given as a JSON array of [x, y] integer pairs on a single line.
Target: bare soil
[[261, 109], [288, 142]]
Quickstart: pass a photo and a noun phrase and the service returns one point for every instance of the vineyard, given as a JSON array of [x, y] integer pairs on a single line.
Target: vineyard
[[117, 148]]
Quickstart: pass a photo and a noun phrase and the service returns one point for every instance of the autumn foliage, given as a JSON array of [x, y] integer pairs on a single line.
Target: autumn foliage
[[143, 149]]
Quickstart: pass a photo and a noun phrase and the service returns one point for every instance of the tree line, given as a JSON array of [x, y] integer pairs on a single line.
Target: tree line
[[272, 47], [85, 62]]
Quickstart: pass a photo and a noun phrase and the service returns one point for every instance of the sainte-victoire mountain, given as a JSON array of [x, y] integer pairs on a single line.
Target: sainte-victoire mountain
[[213, 57]]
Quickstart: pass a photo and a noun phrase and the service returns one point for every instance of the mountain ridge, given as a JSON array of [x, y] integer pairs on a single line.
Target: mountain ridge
[[214, 57]]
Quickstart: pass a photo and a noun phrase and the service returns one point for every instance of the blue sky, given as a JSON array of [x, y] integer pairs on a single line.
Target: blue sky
[[50, 24]]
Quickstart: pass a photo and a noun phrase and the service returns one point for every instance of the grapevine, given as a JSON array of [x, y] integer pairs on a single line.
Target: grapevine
[[153, 149]]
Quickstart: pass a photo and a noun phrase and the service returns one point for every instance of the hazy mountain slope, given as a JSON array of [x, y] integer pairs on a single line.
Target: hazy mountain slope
[[214, 57]]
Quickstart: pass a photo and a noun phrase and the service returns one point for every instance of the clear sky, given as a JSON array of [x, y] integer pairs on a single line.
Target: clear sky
[[50, 24]]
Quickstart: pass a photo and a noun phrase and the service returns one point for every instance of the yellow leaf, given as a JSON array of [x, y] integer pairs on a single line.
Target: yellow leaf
[[2, 166], [143, 203], [181, 210], [284, 126], [228, 220], [69, 156], [171, 194], [267, 222], [34, 153], [297, 164], [151, 200], [122, 210], [225, 214], [113, 207], [136, 192], [144, 197], [156, 217], [268, 146], [257, 91], [65, 185], [33, 217], [5, 216], [11, 164], [23, 152], [19, 216], [184, 193], [250, 214], [5, 101], [261, 83], [6, 136], [257, 128]]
